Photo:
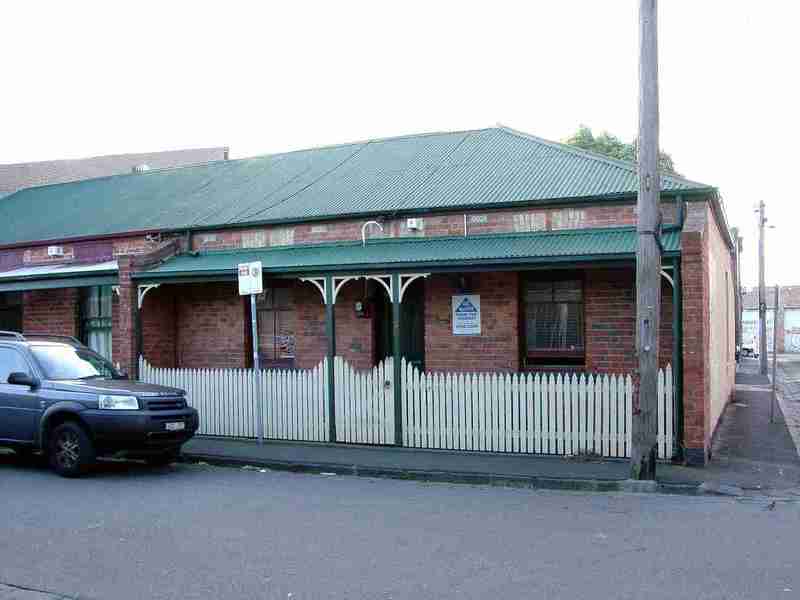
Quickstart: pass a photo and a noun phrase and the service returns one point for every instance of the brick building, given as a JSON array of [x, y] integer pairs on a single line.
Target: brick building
[[479, 251]]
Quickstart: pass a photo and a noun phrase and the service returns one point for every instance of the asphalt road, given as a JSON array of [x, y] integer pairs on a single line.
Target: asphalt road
[[194, 531]]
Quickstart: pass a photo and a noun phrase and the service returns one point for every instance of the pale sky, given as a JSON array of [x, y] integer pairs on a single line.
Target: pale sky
[[88, 78]]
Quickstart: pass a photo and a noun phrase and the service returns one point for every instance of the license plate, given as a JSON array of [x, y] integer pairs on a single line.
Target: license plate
[[179, 426]]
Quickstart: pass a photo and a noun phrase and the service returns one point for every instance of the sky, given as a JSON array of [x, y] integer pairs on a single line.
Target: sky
[[87, 78]]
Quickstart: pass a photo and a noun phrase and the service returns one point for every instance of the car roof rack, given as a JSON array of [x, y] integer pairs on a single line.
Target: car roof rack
[[13, 335], [52, 337]]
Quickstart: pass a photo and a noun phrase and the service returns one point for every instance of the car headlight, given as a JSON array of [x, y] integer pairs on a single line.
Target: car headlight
[[118, 402]]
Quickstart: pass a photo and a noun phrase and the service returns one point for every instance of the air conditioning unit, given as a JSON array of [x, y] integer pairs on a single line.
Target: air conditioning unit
[[55, 251], [414, 224]]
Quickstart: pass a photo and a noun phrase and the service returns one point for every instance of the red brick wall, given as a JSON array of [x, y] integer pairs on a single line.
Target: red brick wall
[[610, 309], [497, 348], [159, 326], [355, 337], [434, 224], [123, 319], [51, 311], [212, 320]]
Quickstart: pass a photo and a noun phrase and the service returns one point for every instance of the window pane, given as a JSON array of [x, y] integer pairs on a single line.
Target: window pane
[[555, 326], [568, 291], [11, 361], [540, 291], [283, 297]]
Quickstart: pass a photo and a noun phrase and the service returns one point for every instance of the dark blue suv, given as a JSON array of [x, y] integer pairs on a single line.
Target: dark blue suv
[[60, 397]]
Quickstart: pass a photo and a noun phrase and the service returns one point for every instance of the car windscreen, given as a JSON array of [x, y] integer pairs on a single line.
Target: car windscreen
[[66, 362]]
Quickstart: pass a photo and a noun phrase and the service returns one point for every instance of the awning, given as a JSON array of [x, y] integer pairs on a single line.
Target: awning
[[45, 277], [404, 254]]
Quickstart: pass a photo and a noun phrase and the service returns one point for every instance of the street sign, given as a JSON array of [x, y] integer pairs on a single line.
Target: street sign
[[250, 281]]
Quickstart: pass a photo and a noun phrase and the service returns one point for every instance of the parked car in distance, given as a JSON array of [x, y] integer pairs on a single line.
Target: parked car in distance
[[748, 350], [60, 397]]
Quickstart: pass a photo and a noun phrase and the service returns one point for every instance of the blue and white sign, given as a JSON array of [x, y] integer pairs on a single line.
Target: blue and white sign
[[467, 314]]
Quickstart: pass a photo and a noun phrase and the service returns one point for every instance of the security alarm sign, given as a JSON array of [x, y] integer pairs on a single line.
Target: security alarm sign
[[250, 281], [467, 314]]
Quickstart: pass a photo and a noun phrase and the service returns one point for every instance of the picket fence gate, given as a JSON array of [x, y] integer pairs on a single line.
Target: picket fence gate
[[566, 414], [364, 403]]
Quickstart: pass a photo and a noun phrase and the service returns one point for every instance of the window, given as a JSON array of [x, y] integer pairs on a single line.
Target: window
[[276, 324], [11, 361], [61, 362], [96, 319], [554, 321]]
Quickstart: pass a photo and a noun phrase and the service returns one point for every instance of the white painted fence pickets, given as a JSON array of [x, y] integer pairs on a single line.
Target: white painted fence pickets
[[364, 403], [531, 413], [550, 413], [295, 402]]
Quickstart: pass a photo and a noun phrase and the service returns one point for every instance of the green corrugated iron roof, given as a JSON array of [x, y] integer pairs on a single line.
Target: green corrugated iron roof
[[417, 253], [483, 168]]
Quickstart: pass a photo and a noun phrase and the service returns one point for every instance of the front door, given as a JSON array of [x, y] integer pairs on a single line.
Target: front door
[[19, 405], [412, 332]]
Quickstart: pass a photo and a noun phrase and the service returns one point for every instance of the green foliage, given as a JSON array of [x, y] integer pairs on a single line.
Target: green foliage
[[613, 147]]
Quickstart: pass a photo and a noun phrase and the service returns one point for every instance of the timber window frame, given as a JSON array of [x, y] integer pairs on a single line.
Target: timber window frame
[[277, 323], [553, 320]]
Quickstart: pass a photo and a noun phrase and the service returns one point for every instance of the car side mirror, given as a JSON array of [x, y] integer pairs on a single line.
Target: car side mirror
[[20, 378], [122, 375]]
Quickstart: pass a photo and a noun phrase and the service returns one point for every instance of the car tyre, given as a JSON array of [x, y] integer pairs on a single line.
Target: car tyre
[[71, 452], [163, 459]]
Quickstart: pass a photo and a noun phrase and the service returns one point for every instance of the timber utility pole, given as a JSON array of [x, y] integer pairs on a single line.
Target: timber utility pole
[[648, 252], [762, 294]]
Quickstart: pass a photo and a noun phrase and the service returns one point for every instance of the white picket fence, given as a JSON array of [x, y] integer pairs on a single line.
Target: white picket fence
[[566, 414], [294, 402], [364, 403]]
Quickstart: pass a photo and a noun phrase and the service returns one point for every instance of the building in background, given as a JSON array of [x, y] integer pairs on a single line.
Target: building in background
[[95, 321], [787, 319], [17, 176]]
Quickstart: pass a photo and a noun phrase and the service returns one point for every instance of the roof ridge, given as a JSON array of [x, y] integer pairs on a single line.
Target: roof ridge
[[628, 165]]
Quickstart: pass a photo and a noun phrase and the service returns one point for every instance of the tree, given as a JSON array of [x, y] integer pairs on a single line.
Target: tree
[[613, 147]]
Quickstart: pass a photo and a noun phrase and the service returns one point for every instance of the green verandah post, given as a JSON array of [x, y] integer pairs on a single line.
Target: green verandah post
[[677, 357], [330, 332], [398, 384]]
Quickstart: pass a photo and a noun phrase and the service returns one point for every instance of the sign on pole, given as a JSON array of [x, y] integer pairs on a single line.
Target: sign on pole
[[251, 284], [250, 281]]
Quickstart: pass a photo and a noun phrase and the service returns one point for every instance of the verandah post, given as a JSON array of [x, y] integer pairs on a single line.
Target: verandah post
[[398, 390], [677, 357], [330, 332]]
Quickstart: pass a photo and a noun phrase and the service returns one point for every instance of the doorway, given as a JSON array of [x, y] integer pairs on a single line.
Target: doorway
[[11, 311], [412, 334]]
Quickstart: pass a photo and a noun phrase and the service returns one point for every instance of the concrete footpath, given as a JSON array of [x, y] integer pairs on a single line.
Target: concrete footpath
[[751, 456]]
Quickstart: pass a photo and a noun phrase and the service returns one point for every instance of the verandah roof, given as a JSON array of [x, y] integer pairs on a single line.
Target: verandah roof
[[583, 245], [43, 277]]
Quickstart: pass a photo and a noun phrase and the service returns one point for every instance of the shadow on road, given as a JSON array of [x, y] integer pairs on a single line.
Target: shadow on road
[[105, 468]]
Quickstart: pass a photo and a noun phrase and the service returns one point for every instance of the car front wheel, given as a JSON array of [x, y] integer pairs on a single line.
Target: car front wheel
[[70, 450]]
